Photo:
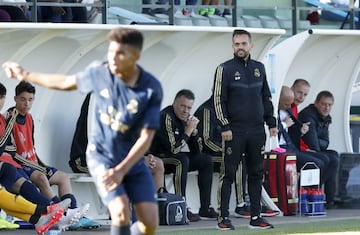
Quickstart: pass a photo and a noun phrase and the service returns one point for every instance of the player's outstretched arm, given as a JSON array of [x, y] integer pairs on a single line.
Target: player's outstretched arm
[[53, 81]]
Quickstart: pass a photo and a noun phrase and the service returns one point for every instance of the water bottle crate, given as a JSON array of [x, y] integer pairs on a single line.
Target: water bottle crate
[[316, 208], [311, 196], [312, 201]]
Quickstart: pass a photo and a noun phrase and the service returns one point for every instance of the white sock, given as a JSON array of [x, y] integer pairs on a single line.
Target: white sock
[[241, 204]]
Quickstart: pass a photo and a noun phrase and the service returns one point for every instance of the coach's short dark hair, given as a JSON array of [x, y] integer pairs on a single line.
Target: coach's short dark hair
[[326, 94], [240, 32], [185, 92]]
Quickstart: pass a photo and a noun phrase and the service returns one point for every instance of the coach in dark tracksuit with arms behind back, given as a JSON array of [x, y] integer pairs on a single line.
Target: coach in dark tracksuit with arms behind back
[[242, 102]]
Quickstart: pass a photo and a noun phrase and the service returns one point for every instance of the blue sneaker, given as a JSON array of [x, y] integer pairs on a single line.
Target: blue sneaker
[[24, 225], [85, 223]]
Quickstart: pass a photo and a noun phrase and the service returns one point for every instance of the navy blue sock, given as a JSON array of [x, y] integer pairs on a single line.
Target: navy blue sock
[[34, 219], [73, 203], [40, 210], [55, 199], [120, 230], [133, 214], [30, 192]]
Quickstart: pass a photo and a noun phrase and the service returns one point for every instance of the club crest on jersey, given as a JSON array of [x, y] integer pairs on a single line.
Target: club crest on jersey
[[112, 118], [257, 72], [132, 106], [22, 137], [105, 93], [228, 150], [237, 76]]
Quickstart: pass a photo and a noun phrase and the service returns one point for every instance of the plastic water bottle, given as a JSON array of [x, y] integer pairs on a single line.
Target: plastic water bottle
[[316, 201], [321, 200], [53, 232], [312, 200], [303, 201]]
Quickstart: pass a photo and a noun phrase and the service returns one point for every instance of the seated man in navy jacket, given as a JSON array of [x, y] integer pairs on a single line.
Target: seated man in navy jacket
[[317, 139]]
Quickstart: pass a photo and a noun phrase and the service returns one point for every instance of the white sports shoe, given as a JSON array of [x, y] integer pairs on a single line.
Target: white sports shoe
[[69, 219], [84, 209], [72, 217]]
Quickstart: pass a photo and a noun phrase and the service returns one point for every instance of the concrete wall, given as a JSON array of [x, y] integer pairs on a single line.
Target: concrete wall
[[181, 57]]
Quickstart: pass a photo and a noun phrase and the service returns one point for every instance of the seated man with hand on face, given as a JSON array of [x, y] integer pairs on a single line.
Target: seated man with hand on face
[[176, 133]]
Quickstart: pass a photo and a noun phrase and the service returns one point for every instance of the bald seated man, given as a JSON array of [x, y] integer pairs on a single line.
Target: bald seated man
[[288, 121]]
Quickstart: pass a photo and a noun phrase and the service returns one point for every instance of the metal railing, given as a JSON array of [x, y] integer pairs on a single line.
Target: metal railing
[[294, 11], [34, 4], [104, 4]]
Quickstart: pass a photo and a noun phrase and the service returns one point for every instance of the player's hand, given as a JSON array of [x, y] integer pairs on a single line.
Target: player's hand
[[150, 161], [305, 128], [13, 70], [226, 135], [273, 131], [191, 124], [112, 178], [289, 122]]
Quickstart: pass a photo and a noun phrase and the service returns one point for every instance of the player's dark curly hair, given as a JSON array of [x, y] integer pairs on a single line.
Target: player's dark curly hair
[[127, 36]]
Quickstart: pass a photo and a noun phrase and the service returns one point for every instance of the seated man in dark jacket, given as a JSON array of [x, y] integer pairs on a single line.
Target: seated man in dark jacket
[[178, 132], [317, 138]]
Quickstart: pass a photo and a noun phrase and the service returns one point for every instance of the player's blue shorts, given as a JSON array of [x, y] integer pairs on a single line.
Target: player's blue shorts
[[137, 185], [50, 171], [11, 175]]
